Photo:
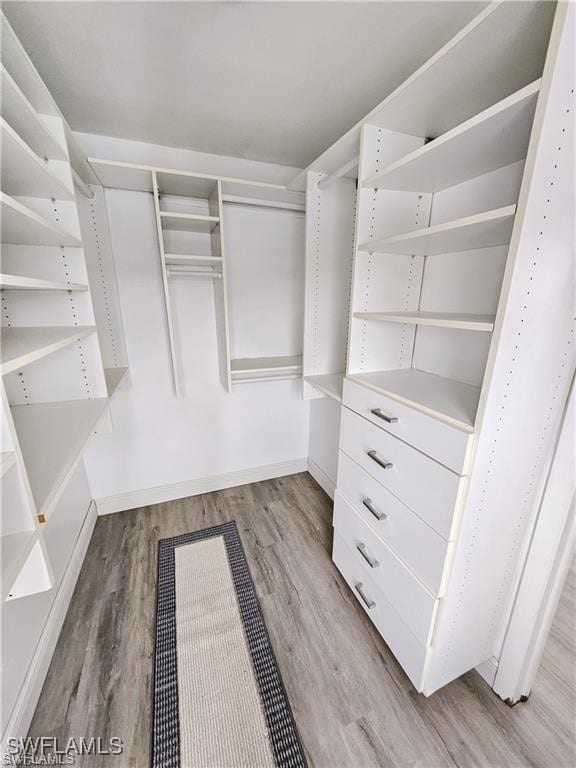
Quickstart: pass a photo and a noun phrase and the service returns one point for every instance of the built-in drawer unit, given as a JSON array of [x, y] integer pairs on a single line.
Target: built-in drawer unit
[[414, 604], [442, 442], [401, 641], [415, 542], [426, 486]]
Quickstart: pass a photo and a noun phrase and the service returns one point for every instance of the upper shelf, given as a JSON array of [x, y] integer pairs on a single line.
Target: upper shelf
[[22, 346], [52, 437], [329, 383], [483, 230], [21, 283], [23, 226], [499, 52], [24, 173], [24, 119], [496, 137], [188, 222], [460, 321]]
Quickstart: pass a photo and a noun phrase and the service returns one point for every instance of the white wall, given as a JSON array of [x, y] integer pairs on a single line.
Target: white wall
[[159, 440]]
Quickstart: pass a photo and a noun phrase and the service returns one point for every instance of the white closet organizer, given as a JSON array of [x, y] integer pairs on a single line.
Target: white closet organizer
[[244, 237], [55, 388], [460, 331]]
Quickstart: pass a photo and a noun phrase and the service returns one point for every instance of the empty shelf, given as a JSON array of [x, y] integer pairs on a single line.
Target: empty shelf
[[463, 322], [188, 222], [494, 138], [24, 119], [22, 346], [483, 230], [180, 259], [15, 549], [22, 226], [52, 437], [265, 367], [328, 383], [114, 377], [7, 459], [445, 399], [21, 283], [24, 173]]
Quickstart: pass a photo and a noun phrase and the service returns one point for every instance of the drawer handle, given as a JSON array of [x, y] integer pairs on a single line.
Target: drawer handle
[[372, 562], [369, 603], [384, 416], [371, 508], [382, 462]]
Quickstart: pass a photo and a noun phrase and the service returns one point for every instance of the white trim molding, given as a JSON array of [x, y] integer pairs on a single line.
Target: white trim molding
[[147, 496], [326, 483], [27, 700]]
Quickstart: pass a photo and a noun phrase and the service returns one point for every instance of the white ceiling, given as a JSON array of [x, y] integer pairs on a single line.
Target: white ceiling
[[265, 81]]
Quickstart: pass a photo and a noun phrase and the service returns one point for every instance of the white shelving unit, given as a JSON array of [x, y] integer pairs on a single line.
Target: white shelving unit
[[456, 357], [54, 387]]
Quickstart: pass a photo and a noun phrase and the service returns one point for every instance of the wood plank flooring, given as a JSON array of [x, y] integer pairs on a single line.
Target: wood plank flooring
[[353, 704]]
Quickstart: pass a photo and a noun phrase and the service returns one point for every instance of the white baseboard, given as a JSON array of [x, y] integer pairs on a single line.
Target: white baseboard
[[27, 700], [147, 496], [488, 670], [326, 483]]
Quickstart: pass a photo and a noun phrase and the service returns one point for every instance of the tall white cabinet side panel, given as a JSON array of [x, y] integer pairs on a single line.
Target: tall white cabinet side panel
[[531, 373], [324, 438], [159, 440]]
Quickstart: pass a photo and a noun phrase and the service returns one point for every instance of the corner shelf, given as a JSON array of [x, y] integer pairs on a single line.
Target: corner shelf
[[114, 377], [496, 137], [21, 283], [24, 173], [251, 368], [329, 383], [447, 400], [15, 547], [22, 226], [52, 437], [188, 222], [24, 119], [22, 346], [7, 460], [463, 322], [483, 230]]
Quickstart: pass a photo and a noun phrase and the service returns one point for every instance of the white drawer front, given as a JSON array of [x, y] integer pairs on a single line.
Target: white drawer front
[[428, 488], [421, 548], [409, 653], [414, 605], [440, 441]]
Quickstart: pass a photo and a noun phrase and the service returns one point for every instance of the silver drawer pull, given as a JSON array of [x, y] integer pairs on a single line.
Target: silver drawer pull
[[382, 462], [384, 416], [365, 599], [372, 562], [371, 508]]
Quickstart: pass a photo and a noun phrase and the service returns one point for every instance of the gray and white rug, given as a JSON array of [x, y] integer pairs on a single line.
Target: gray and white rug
[[219, 700]]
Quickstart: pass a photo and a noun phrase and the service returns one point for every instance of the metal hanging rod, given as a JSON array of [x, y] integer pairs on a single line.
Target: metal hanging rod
[[338, 173], [193, 273]]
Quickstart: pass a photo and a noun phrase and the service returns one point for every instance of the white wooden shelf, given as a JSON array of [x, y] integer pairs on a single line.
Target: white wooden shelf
[[52, 437], [21, 283], [22, 346], [328, 383], [15, 550], [24, 119], [7, 460], [496, 137], [265, 367], [188, 222], [180, 259], [447, 400], [483, 230], [463, 322], [26, 174], [114, 377], [22, 226]]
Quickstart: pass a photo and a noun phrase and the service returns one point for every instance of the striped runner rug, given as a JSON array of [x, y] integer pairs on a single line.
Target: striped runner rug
[[219, 700]]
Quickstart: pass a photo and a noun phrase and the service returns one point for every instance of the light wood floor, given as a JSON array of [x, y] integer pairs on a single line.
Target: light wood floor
[[353, 704]]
